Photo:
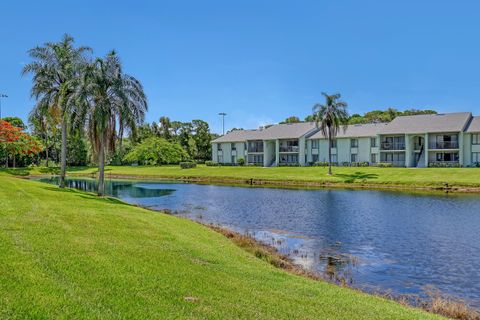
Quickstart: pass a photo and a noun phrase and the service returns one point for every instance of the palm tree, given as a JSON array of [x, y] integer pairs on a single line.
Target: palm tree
[[329, 118], [108, 96], [55, 68]]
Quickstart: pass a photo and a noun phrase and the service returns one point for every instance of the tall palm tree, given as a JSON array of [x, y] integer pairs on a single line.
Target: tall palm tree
[[329, 118], [56, 73], [107, 96]]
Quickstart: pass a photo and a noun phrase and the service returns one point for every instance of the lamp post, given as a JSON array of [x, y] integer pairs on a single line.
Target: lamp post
[[223, 114], [2, 96]]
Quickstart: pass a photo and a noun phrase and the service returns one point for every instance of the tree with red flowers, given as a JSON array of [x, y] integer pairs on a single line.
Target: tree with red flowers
[[13, 141]]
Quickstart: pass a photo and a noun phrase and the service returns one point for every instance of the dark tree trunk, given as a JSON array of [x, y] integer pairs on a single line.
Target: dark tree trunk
[[101, 166], [63, 158]]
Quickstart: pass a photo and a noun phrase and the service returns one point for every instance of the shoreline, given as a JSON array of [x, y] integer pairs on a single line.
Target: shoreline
[[293, 184], [435, 303]]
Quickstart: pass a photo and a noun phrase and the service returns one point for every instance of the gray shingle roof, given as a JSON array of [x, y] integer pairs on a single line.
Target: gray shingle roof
[[428, 123], [289, 130], [241, 135], [474, 125], [355, 130]]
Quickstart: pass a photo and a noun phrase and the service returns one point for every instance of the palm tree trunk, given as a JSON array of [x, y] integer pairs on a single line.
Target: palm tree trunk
[[120, 144], [101, 166], [329, 152], [63, 160], [46, 149]]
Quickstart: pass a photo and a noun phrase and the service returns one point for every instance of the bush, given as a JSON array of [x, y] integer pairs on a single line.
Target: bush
[[210, 163], [241, 161], [288, 165], [443, 165], [321, 164], [156, 151], [384, 165], [187, 165], [346, 164]]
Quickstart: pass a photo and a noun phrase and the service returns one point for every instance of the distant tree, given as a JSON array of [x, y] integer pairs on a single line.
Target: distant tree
[[234, 129], [309, 118], [165, 128], [203, 139], [175, 126], [330, 117], [14, 142], [16, 122], [291, 119], [156, 151], [378, 116]]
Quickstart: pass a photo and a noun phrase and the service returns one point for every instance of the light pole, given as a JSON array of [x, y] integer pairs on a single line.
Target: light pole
[[223, 114], [2, 96]]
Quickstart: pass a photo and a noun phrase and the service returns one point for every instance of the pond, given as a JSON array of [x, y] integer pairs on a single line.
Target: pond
[[376, 240]]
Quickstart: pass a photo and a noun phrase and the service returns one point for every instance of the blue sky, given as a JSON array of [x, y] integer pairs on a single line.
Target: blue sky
[[261, 61]]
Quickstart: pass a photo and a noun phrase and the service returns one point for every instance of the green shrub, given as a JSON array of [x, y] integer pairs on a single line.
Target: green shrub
[[346, 164], [241, 161], [288, 165], [321, 164], [443, 165], [187, 165], [210, 163], [156, 151], [384, 165]]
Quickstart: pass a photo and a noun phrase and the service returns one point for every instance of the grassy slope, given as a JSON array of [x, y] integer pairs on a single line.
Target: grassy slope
[[371, 175], [69, 254]]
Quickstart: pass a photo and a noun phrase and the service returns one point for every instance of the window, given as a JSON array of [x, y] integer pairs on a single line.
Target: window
[[233, 147], [314, 144], [255, 158], [334, 158], [220, 158], [354, 143], [234, 159], [289, 146], [475, 138], [314, 157], [255, 146], [219, 146], [475, 157], [334, 143], [447, 157], [353, 157], [289, 158], [373, 142], [373, 158]]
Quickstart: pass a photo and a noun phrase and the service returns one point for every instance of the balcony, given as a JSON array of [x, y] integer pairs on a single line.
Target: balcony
[[255, 149], [444, 145], [392, 146], [289, 148]]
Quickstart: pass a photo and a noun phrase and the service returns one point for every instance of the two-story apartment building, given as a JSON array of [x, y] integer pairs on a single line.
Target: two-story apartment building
[[407, 141]]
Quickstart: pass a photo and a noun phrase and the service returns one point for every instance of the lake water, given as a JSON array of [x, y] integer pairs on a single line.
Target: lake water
[[374, 239]]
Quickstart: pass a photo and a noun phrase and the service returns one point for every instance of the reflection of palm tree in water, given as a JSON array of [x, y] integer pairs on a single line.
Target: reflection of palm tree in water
[[116, 188]]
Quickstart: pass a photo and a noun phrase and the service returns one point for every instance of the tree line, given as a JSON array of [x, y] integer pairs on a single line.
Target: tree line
[[88, 111], [374, 116]]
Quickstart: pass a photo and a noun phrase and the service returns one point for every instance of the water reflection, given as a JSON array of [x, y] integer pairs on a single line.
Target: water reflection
[[391, 240]]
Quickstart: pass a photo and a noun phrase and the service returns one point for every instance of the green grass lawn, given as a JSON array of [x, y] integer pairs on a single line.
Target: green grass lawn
[[460, 177], [68, 254]]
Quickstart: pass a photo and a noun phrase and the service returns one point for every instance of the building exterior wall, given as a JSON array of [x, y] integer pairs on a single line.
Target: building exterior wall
[[401, 149], [227, 152]]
